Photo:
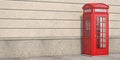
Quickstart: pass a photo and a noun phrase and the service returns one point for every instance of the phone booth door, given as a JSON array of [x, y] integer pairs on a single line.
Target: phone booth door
[[101, 34]]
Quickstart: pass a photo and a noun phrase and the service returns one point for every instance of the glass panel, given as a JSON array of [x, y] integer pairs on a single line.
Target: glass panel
[[98, 43], [100, 19], [101, 29], [104, 19], [104, 24], [104, 45], [104, 35], [104, 30], [104, 40], [101, 24], [100, 34], [101, 43], [87, 25]]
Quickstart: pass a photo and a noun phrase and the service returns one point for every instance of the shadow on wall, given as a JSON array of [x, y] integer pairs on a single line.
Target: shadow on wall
[[81, 33]]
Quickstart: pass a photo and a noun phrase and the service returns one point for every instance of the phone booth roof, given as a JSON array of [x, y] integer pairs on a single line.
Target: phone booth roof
[[95, 5]]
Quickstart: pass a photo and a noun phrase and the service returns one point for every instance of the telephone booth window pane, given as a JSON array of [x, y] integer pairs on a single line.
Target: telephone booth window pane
[[104, 19], [104, 45], [100, 35], [101, 24], [104, 24], [104, 35], [101, 29], [100, 19], [104, 40], [104, 30], [97, 21], [101, 43], [87, 25]]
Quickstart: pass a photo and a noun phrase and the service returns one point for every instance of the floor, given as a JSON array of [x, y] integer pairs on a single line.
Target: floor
[[78, 57]]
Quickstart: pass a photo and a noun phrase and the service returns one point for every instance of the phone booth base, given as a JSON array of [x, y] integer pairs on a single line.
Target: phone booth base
[[95, 29]]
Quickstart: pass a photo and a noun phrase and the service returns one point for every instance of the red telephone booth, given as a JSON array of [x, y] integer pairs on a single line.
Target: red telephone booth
[[95, 29]]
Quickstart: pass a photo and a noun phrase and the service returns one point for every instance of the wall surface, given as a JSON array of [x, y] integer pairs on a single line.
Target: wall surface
[[30, 28]]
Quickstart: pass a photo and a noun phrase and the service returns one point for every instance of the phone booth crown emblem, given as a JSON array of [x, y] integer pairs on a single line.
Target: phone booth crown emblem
[[95, 29]]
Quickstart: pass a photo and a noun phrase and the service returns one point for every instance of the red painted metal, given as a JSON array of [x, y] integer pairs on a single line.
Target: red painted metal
[[95, 29]]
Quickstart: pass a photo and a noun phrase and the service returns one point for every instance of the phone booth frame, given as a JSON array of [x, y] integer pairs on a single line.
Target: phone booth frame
[[95, 29]]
